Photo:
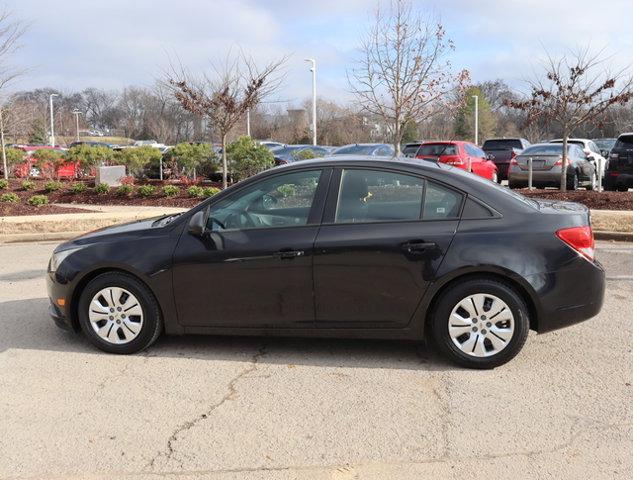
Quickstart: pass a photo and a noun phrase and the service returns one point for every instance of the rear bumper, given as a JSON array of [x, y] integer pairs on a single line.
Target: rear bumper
[[570, 295], [625, 179]]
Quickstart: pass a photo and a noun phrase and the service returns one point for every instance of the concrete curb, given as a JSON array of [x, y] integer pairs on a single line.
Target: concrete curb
[[617, 236]]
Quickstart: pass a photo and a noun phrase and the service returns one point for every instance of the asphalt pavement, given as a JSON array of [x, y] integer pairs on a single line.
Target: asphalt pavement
[[254, 408]]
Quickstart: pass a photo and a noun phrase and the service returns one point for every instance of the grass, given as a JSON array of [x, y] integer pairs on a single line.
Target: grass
[[113, 140]]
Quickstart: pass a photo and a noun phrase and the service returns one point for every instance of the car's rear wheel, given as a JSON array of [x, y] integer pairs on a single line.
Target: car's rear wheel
[[572, 181], [480, 323], [119, 314]]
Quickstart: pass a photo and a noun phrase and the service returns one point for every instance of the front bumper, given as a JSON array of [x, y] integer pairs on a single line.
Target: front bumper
[[60, 314], [569, 295]]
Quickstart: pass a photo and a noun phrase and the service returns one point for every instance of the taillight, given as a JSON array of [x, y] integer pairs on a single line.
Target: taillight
[[513, 161], [614, 155], [559, 161], [452, 160], [512, 155], [580, 239]]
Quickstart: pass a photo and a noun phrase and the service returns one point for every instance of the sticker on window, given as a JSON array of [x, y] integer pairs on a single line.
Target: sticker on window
[[440, 210]]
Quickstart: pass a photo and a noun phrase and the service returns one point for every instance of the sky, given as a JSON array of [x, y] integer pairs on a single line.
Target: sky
[[72, 44]]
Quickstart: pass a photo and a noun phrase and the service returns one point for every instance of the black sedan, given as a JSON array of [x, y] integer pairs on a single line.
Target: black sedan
[[372, 248]]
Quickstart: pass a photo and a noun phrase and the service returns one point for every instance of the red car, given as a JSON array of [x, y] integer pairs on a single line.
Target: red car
[[459, 154], [28, 168]]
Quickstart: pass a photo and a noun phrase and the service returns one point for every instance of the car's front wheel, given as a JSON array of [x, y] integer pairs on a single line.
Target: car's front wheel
[[119, 314], [480, 323]]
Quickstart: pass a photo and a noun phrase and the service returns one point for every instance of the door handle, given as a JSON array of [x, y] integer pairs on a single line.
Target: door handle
[[288, 254], [418, 247]]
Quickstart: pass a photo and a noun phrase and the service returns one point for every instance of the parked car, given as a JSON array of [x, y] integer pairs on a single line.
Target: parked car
[[339, 248], [605, 145], [270, 144], [547, 164], [591, 151], [290, 153], [502, 150], [459, 154], [92, 144], [619, 174], [371, 149], [30, 167], [410, 149]]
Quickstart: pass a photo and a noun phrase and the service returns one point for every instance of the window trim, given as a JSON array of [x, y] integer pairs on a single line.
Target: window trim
[[329, 212]]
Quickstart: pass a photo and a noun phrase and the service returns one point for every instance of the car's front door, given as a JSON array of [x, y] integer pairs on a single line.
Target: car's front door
[[384, 235], [253, 265]]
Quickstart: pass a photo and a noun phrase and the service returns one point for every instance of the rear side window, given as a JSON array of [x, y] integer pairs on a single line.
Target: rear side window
[[410, 150], [473, 210], [377, 196], [504, 144], [441, 202]]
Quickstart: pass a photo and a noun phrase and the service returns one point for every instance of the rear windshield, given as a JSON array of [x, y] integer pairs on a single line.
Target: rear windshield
[[438, 149], [624, 141], [356, 150], [552, 149], [410, 149], [505, 144]]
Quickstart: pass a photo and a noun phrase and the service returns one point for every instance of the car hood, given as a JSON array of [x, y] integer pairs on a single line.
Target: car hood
[[133, 227]]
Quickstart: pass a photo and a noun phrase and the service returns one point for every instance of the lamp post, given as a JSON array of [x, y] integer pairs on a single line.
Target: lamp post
[[476, 97], [248, 122], [314, 127], [76, 113], [50, 100]]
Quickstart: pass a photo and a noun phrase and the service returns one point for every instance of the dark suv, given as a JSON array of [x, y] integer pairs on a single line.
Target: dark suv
[[619, 175], [502, 150]]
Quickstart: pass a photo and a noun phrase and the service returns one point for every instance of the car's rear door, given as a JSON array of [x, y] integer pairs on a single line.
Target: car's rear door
[[383, 237]]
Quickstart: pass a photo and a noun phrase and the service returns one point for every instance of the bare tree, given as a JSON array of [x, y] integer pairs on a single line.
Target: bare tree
[[403, 74], [10, 33], [238, 85], [574, 89]]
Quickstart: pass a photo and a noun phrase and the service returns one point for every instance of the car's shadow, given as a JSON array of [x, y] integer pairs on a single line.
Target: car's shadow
[[25, 324]]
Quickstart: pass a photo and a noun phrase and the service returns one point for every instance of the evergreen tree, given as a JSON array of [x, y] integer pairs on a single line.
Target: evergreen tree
[[465, 119]]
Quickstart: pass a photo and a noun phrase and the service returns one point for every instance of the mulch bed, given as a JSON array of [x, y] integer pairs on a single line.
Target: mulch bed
[[594, 200], [15, 209]]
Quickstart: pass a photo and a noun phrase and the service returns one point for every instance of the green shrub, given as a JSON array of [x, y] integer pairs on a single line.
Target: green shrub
[[3, 184], [28, 185], [195, 191], [146, 190], [47, 161], [9, 197], [137, 158], [89, 155], [102, 188], [78, 187], [185, 157], [38, 200], [171, 190], [210, 191], [52, 186], [246, 158], [124, 190], [287, 190]]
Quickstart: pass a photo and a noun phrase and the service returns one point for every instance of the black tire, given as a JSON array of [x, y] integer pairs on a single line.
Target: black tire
[[152, 325], [452, 296], [572, 182], [623, 187], [514, 185]]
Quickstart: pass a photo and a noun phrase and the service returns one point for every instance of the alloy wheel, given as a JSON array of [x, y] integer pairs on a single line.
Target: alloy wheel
[[116, 315], [481, 325]]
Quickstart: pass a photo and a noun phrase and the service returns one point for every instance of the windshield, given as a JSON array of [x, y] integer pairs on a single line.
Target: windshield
[[287, 150], [549, 149], [355, 150], [504, 144], [625, 141], [438, 149], [605, 143]]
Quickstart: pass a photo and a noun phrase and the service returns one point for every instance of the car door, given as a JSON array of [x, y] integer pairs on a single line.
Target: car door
[[253, 265], [383, 237]]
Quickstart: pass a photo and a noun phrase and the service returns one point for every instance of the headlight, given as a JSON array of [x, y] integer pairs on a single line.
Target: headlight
[[59, 257]]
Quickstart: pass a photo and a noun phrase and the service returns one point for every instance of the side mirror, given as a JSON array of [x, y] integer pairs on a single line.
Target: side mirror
[[197, 225]]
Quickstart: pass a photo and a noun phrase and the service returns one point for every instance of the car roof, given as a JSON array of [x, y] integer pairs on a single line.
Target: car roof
[[559, 140]]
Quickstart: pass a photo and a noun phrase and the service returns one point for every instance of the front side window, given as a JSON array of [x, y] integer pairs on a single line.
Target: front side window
[[279, 201], [377, 196]]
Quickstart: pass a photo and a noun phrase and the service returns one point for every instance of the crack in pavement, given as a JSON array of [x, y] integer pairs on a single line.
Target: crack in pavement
[[169, 451], [575, 433]]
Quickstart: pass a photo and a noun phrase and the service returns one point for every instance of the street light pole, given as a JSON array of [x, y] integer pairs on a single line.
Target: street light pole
[[77, 113], [314, 127], [50, 100], [248, 122], [476, 97]]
